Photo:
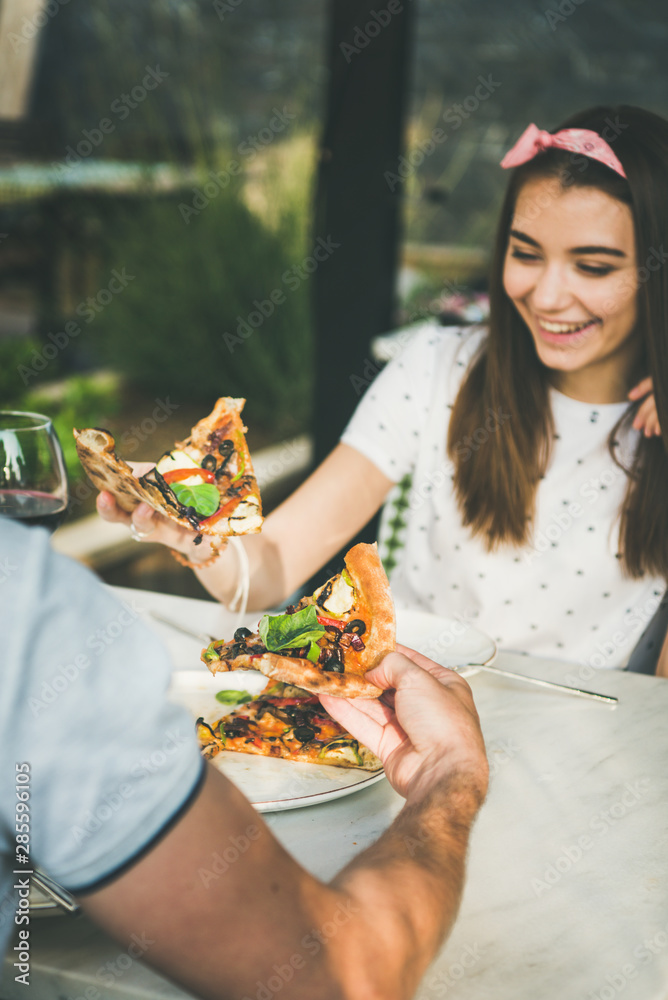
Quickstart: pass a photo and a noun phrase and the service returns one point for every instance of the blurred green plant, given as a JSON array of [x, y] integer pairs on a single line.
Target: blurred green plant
[[14, 351], [81, 401], [198, 319]]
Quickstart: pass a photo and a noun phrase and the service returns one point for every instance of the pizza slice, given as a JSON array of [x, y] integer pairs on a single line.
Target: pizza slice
[[288, 722], [205, 483], [328, 641]]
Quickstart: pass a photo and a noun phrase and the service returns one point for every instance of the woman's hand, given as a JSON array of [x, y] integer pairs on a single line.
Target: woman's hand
[[151, 526], [647, 418]]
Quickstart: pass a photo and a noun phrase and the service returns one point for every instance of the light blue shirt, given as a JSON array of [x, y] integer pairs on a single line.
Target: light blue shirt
[[82, 703]]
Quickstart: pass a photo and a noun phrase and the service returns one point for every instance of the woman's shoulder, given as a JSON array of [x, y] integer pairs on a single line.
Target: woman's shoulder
[[432, 345]]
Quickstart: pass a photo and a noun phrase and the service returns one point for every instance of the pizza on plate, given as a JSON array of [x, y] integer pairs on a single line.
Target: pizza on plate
[[284, 721], [205, 483], [328, 641]]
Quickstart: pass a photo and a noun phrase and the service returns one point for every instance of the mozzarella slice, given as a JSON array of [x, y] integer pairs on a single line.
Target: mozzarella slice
[[246, 516], [341, 598], [176, 460]]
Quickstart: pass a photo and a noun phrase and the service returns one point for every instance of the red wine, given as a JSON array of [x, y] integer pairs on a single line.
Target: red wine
[[33, 508]]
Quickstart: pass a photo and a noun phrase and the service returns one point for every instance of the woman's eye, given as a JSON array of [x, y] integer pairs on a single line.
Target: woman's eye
[[598, 271], [522, 254]]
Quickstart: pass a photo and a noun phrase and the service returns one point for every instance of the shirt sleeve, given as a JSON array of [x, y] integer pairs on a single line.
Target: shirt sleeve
[[390, 416], [111, 761]]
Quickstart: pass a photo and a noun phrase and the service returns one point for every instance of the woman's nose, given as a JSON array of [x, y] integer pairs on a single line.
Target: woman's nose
[[551, 292]]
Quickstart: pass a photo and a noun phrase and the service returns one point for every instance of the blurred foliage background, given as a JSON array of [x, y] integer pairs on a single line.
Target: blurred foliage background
[[79, 200]]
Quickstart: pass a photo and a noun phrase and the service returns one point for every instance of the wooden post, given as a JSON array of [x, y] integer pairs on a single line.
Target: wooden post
[[357, 208], [21, 22]]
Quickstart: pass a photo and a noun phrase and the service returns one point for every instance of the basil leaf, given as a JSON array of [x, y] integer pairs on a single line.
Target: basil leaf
[[285, 631], [233, 697], [204, 497]]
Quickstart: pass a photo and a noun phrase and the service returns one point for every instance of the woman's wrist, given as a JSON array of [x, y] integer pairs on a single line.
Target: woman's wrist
[[199, 556]]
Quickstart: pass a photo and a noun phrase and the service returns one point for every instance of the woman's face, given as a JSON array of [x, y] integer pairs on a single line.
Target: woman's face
[[571, 272]]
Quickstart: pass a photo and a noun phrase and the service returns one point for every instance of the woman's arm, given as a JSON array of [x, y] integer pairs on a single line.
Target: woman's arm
[[662, 665], [308, 528]]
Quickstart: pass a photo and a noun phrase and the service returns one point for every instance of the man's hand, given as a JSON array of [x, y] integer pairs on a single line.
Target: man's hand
[[647, 418], [424, 728]]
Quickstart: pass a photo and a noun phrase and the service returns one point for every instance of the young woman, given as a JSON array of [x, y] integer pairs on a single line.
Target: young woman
[[536, 508]]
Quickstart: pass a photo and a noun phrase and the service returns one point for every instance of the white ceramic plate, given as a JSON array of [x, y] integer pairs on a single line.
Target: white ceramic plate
[[273, 785], [450, 642]]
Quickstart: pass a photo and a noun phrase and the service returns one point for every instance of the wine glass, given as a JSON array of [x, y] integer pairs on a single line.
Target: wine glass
[[33, 480]]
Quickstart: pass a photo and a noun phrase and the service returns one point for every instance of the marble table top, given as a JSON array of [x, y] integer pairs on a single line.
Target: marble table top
[[567, 883]]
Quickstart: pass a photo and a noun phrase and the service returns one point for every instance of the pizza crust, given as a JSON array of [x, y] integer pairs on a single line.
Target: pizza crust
[[370, 582], [369, 579], [302, 672]]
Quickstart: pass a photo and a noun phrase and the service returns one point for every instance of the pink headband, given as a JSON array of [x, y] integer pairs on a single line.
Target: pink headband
[[576, 140]]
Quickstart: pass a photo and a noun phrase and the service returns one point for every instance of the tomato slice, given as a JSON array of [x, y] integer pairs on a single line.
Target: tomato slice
[[336, 622], [176, 475], [226, 509]]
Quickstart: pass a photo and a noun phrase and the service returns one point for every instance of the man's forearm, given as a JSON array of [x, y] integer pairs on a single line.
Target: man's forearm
[[405, 892]]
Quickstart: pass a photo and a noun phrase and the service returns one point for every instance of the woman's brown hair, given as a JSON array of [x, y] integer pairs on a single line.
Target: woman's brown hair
[[496, 486]]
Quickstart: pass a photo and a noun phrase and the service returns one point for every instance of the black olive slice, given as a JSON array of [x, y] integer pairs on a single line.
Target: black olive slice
[[356, 626], [304, 734], [226, 447], [209, 462], [332, 663], [241, 634]]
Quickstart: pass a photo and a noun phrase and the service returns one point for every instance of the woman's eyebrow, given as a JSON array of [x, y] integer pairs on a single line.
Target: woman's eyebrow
[[608, 250], [576, 250], [523, 236]]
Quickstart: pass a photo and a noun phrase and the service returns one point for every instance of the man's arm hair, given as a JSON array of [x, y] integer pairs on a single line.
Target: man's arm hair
[[225, 911]]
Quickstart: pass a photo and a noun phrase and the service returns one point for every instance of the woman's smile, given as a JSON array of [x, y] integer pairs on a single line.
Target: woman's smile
[[570, 271]]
